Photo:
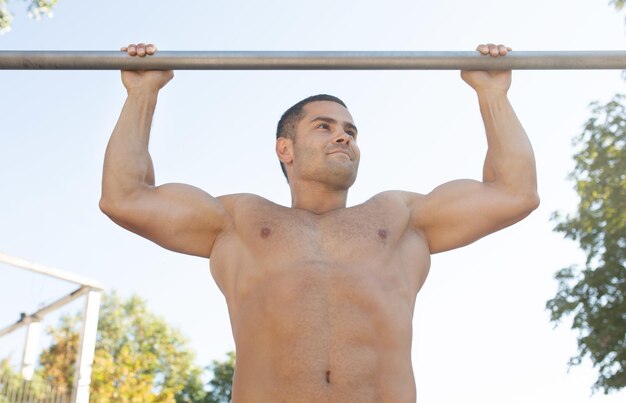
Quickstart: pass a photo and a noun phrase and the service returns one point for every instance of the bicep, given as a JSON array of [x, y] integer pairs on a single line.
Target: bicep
[[175, 216], [460, 212]]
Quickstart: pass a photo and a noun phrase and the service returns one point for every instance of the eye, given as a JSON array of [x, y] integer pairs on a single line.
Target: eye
[[351, 133], [324, 126]]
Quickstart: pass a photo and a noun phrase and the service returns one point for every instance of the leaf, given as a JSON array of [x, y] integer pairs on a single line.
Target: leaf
[[595, 294]]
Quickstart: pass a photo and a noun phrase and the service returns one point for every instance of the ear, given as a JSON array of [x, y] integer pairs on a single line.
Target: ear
[[284, 150]]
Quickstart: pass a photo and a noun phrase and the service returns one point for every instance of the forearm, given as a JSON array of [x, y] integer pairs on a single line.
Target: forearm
[[127, 162], [510, 161]]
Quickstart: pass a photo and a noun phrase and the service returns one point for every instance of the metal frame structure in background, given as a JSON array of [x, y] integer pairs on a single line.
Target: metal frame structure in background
[[312, 60], [87, 343]]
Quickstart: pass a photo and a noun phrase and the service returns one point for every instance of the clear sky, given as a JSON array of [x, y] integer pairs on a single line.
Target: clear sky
[[481, 333]]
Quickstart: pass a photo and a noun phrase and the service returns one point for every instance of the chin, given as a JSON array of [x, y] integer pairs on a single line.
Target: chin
[[342, 180]]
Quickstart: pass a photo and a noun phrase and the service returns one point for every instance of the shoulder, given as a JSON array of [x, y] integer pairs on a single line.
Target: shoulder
[[399, 197], [396, 203], [408, 205], [238, 200], [246, 205]]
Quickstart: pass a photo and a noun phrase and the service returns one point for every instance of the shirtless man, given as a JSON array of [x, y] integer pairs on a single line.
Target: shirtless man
[[320, 296]]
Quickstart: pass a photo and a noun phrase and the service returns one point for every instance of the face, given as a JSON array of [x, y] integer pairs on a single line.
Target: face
[[325, 148]]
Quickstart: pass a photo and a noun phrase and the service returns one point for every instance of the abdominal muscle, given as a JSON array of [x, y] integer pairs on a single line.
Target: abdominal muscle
[[322, 333]]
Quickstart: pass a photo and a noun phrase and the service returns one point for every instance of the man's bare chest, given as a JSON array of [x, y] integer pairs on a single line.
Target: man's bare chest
[[282, 254], [346, 234]]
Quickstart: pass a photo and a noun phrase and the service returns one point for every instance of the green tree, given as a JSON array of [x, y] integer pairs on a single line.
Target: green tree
[[138, 358], [11, 382], [9, 379], [618, 4], [193, 390], [36, 9], [595, 295], [58, 360], [222, 382]]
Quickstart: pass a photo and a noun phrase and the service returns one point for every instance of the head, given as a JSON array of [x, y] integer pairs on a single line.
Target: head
[[320, 124]]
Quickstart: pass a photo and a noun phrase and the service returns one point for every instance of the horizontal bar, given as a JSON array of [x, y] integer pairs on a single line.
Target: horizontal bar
[[50, 271], [37, 316], [311, 60]]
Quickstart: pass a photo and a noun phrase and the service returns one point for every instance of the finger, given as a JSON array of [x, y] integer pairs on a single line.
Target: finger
[[483, 49], [124, 48], [150, 49], [132, 50], [493, 50], [502, 50], [141, 49]]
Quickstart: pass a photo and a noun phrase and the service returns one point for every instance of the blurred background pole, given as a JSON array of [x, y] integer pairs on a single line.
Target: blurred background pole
[[87, 348]]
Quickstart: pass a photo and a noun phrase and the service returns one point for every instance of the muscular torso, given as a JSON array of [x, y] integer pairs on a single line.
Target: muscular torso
[[321, 306]]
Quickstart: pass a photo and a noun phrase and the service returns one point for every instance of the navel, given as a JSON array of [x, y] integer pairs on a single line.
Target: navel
[[265, 232], [327, 376]]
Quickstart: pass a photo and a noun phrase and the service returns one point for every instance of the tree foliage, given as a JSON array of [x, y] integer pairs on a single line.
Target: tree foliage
[[58, 360], [595, 295], [138, 357], [9, 379], [36, 9], [12, 383], [222, 382], [618, 4]]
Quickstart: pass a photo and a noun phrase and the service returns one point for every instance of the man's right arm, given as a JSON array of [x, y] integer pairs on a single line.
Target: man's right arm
[[178, 217]]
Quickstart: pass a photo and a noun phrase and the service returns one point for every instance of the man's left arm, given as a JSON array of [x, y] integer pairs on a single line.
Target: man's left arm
[[460, 212]]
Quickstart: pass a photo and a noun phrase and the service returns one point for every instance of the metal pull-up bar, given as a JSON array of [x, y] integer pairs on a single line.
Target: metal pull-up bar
[[312, 60]]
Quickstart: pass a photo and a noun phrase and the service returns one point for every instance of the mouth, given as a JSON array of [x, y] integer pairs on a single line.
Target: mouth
[[341, 152]]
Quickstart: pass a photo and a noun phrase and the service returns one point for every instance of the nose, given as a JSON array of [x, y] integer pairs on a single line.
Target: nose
[[343, 137]]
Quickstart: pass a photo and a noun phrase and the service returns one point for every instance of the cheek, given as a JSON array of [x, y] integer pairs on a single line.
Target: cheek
[[309, 147], [303, 152]]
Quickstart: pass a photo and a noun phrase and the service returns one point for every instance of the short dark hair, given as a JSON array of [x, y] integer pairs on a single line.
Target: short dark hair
[[292, 116]]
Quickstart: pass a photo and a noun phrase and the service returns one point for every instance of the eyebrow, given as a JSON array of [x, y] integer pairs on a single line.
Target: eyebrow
[[331, 120]]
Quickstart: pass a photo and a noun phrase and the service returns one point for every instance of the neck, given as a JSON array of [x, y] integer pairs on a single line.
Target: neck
[[317, 198]]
